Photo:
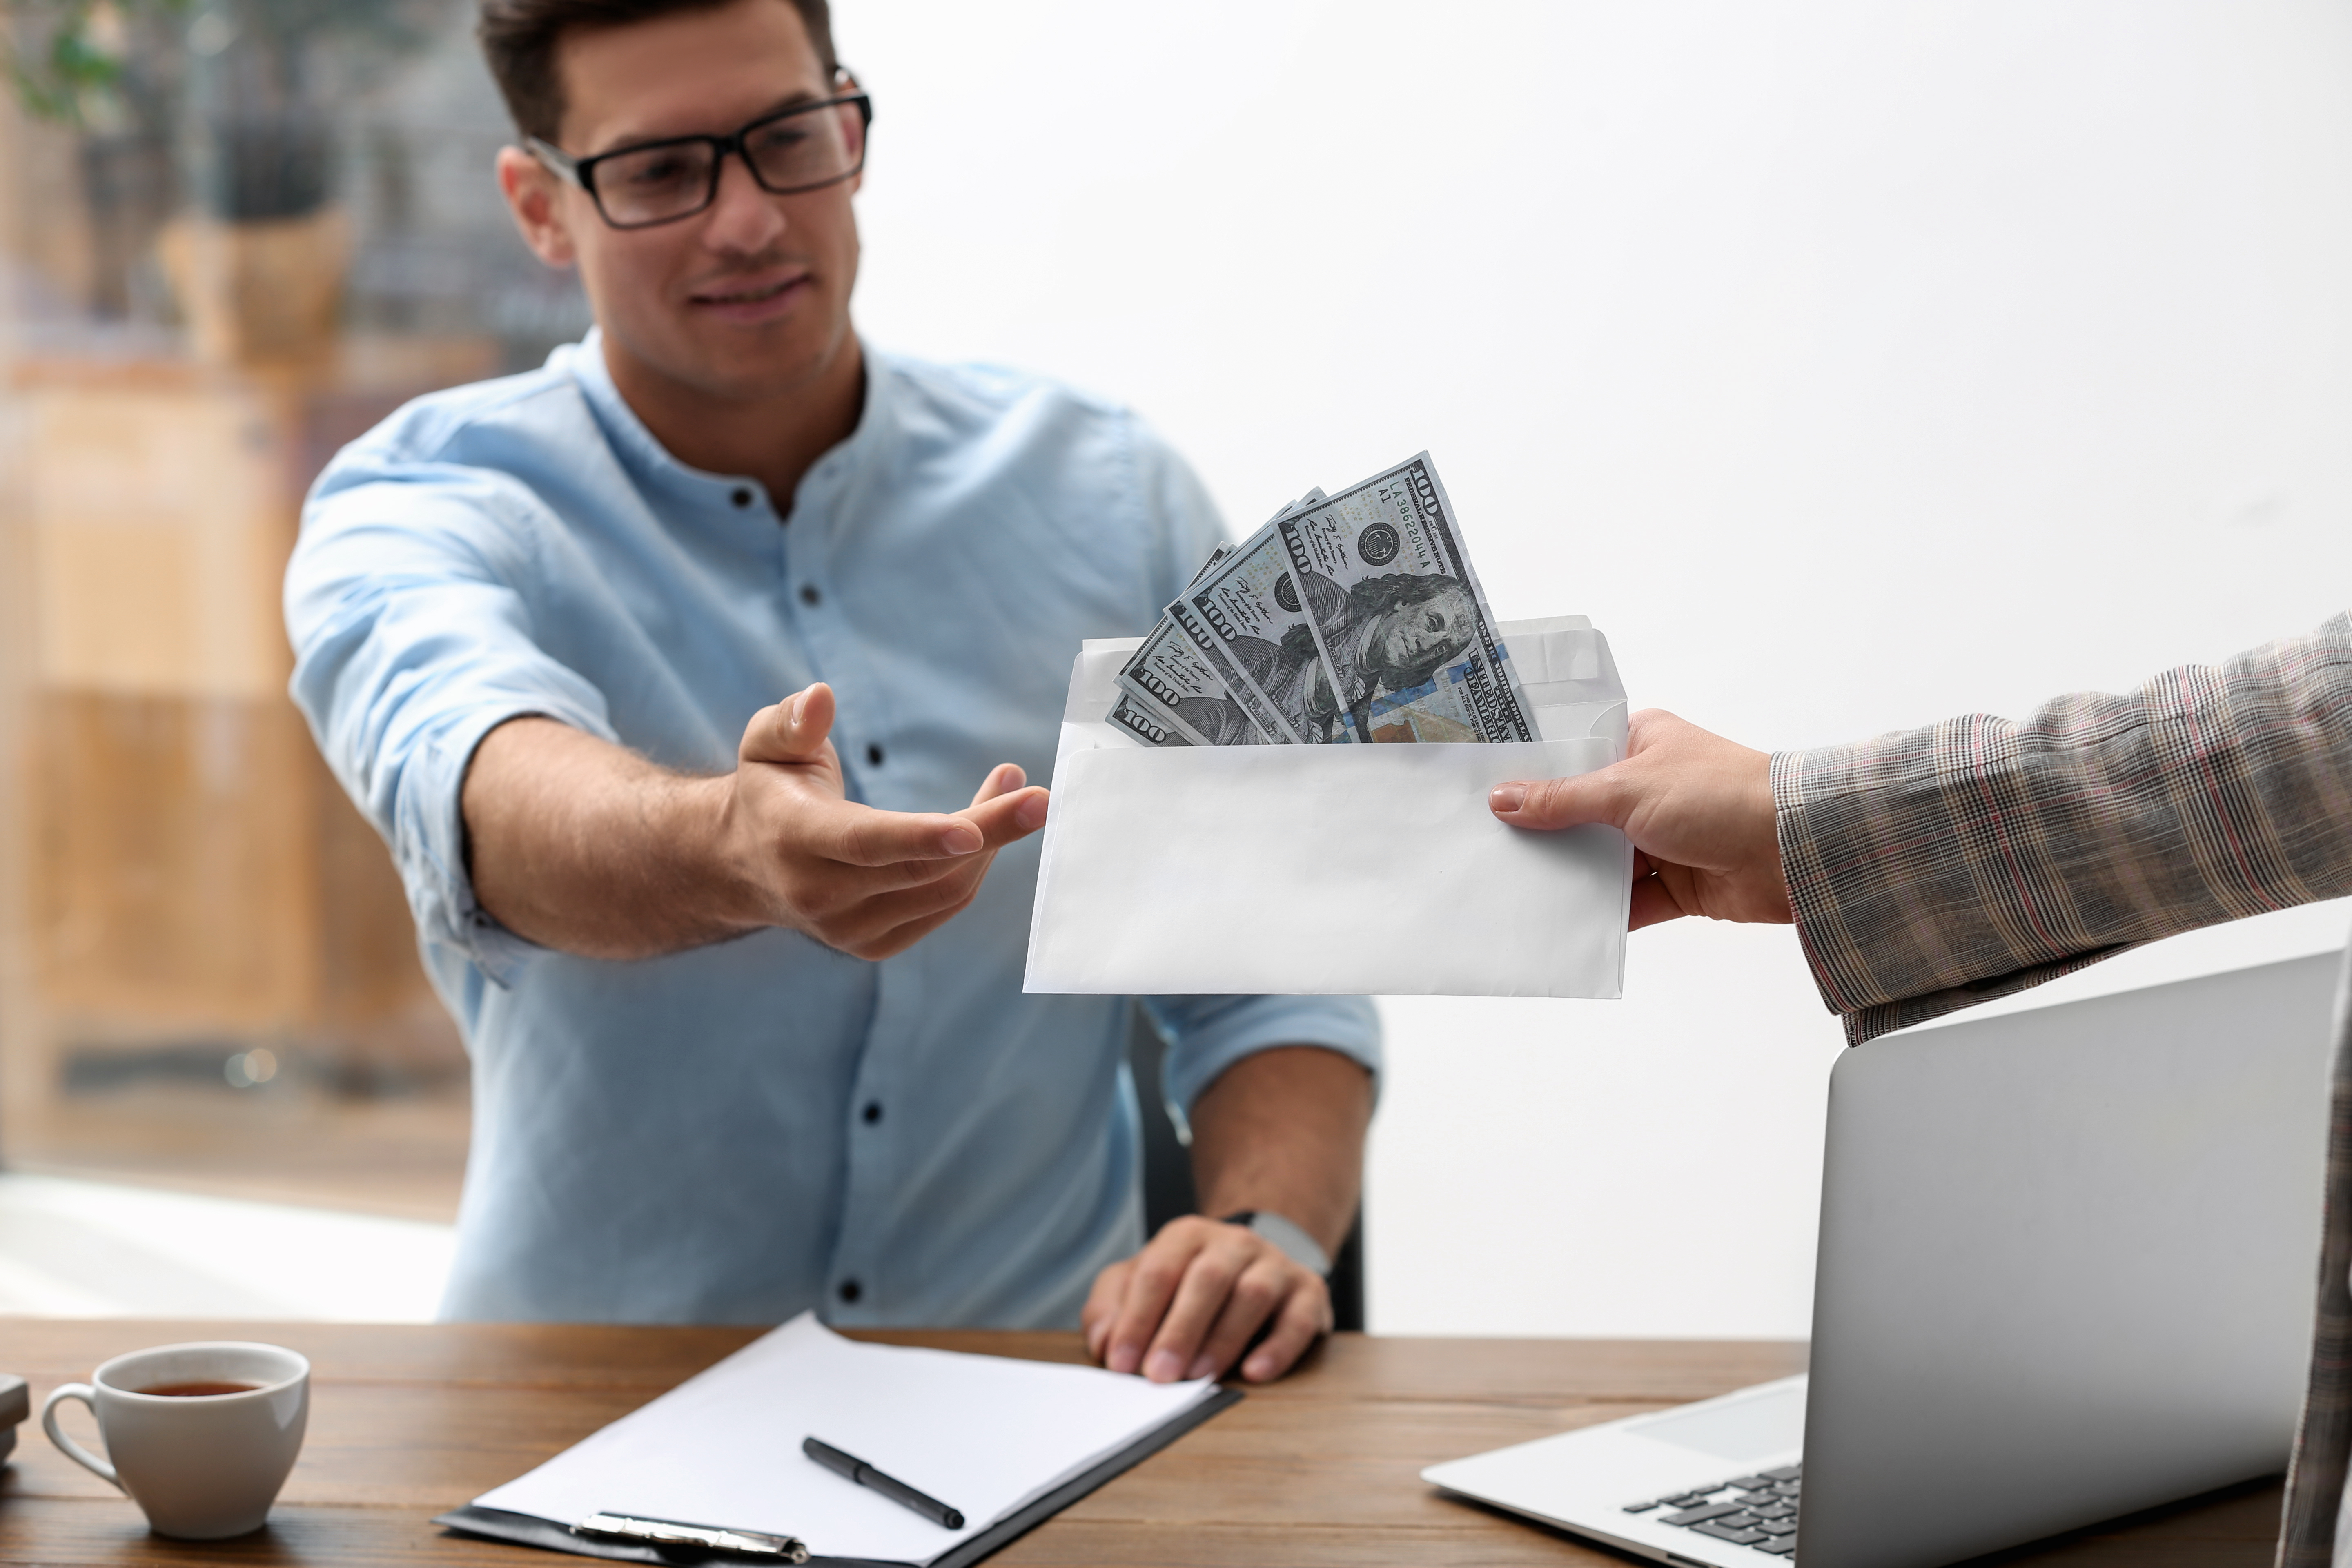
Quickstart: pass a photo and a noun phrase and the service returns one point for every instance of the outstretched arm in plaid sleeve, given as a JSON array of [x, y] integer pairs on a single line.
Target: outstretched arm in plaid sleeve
[[1930, 868]]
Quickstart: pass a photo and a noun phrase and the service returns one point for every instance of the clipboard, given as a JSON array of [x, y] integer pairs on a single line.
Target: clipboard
[[528, 1530]]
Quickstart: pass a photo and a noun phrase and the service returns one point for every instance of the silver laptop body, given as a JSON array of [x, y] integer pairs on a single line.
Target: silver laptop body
[[2066, 1271]]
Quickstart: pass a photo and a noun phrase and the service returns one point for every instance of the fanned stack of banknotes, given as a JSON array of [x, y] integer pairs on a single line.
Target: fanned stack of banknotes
[[1349, 618]]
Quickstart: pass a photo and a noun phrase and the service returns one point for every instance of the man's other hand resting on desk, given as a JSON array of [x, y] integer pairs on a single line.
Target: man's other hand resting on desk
[[1278, 1133]]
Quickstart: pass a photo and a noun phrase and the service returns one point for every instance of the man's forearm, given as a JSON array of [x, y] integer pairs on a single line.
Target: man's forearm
[[1283, 1129], [576, 844], [1937, 867]]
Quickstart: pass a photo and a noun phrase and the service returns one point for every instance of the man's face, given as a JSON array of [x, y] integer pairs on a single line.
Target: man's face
[[748, 299], [1414, 635]]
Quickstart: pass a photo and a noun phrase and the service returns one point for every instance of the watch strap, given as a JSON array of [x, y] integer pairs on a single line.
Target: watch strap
[[1288, 1239]]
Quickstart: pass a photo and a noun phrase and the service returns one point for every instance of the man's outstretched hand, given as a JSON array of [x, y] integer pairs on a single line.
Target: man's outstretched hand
[[578, 844], [1698, 809], [868, 882]]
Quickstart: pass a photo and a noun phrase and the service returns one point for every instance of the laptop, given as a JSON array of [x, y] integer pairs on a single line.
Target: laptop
[[2066, 1271]]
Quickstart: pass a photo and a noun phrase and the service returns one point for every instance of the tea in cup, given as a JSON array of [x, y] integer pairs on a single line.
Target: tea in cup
[[200, 1435]]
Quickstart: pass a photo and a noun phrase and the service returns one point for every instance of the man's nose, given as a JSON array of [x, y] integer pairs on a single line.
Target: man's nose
[[743, 217]]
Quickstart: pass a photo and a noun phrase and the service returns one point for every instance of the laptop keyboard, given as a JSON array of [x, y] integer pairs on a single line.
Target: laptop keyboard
[[1757, 1510]]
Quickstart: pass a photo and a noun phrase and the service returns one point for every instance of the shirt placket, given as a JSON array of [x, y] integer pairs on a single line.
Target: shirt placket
[[860, 1287]]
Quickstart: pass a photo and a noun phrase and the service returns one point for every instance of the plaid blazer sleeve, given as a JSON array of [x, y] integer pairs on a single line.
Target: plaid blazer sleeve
[[1932, 869], [1935, 868]]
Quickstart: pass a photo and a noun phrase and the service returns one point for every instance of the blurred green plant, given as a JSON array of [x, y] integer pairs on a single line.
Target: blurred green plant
[[70, 59]]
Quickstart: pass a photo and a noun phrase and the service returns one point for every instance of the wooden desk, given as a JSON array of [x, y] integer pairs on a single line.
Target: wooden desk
[[1319, 1468]]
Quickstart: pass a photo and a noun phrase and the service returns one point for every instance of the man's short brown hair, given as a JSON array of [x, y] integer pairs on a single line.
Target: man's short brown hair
[[520, 37]]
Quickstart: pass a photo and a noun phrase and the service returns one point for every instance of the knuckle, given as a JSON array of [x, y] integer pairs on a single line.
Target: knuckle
[[1258, 1292], [853, 842], [1218, 1279]]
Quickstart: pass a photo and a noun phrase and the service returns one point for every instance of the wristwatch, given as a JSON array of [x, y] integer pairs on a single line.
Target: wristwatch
[[1288, 1239]]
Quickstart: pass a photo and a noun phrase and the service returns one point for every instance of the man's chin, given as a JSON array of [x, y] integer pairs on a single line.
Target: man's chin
[[753, 364]]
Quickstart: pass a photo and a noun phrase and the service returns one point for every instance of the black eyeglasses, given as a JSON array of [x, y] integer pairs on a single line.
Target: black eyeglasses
[[804, 148]]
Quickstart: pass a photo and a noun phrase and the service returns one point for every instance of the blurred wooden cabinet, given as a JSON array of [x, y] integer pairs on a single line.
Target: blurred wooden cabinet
[[195, 872]]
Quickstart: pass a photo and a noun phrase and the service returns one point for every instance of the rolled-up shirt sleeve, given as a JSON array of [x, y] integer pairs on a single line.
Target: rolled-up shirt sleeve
[[413, 640], [1206, 1035], [1936, 867]]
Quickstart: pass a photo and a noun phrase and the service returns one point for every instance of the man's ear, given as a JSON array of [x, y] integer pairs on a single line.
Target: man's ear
[[533, 199]]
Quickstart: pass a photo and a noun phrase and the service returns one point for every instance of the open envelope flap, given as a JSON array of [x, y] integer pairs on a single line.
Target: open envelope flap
[[1346, 869]]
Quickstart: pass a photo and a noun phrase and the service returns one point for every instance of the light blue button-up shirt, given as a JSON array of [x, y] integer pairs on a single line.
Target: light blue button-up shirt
[[737, 1132]]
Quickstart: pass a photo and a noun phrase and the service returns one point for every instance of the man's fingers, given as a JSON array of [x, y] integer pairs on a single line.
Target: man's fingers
[[857, 835], [1008, 817], [1652, 902], [884, 927], [1151, 1284], [1002, 779], [1102, 1306], [793, 731], [1549, 803], [1306, 1317], [1256, 1295], [1211, 1280]]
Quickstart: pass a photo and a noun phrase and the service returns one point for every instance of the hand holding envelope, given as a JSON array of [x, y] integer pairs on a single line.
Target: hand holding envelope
[[1700, 811], [1371, 869]]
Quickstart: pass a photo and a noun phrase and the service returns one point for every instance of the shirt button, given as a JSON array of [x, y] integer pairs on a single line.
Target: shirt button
[[850, 1290], [874, 756], [743, 496], [809, 595], [873, 1110]]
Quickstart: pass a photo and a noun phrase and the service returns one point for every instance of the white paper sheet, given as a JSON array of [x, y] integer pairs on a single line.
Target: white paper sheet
[[982, 1434], [1333, 869]]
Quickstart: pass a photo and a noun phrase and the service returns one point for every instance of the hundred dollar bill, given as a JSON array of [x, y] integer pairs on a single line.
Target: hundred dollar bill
[[1270, 725], [1247, 620], [1222, 550], [1171, 674], [1181, 688], [1398, 615], [1151, 723], [1219, 553]]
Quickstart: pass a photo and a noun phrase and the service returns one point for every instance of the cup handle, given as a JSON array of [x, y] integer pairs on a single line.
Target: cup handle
[[71, 1450]]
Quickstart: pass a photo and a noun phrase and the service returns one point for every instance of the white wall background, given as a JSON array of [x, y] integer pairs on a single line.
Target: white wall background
[[1853, 363]]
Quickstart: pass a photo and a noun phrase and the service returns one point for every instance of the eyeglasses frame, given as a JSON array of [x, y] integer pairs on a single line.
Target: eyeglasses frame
[[581, 172]]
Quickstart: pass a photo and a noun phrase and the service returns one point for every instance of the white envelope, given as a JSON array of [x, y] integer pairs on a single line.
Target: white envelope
[[1346, 870]]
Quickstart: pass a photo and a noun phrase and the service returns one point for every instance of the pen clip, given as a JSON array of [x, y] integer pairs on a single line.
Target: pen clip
[[670, 1532]]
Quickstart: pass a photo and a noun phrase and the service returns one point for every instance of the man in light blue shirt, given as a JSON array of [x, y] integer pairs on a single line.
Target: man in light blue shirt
[[668, 672]]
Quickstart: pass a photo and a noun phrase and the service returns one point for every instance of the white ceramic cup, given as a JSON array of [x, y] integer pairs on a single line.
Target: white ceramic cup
[[200, 1467]]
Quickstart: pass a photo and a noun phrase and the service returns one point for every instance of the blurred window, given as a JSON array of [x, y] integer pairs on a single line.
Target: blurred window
[[232, 237]]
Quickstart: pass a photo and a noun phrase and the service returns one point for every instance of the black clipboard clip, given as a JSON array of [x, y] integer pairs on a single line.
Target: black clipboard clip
[[708, 1538]]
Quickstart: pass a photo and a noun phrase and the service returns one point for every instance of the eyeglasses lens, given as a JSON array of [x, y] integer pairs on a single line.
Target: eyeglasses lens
[[805, 150], [654, 183], [795, 152]]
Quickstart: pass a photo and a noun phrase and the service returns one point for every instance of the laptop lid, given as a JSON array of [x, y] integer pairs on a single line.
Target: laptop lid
[[2067, 1264]]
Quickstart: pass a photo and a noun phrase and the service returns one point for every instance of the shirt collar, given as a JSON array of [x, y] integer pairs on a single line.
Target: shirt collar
[[653, 466]]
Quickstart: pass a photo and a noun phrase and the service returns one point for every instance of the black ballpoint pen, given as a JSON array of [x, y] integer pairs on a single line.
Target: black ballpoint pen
[[865, 1475]]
